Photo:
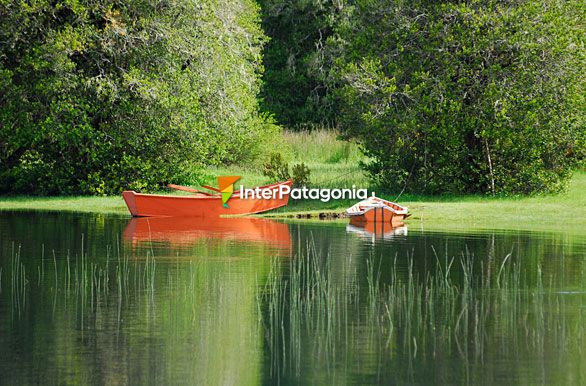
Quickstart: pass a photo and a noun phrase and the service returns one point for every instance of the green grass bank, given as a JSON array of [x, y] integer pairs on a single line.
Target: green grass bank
[[335, 163]]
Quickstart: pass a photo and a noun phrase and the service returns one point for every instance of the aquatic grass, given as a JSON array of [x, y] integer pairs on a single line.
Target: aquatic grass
[[459, 308], [380, 312], [18, 281], [79, 281]]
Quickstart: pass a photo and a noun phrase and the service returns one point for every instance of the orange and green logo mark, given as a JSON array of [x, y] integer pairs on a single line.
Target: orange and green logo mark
[[226, 184]]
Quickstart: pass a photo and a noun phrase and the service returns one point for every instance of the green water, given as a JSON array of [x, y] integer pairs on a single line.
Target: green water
[[90, 299]]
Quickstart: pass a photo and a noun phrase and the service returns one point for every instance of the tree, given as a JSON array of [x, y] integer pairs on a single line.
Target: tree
[[460, 97], [100, 96], [295, 88]]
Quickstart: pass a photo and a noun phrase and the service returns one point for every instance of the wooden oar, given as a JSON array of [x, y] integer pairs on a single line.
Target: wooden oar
[[187, 189], [211, 188]]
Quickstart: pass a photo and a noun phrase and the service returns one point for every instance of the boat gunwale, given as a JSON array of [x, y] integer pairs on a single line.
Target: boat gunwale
[[362, 212], [380, 203], [216, 196]]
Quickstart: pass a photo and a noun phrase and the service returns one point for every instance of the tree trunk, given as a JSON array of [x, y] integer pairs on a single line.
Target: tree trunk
[[490, 167]]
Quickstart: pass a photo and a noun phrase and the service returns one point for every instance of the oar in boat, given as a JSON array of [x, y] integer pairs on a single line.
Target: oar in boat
[[186, 189], [211, 188]]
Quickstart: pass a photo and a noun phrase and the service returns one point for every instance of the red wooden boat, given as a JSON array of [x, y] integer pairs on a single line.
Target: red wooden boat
[[377, 210], [201, 204]]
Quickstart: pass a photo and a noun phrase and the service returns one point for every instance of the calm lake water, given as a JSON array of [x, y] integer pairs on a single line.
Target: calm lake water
[[94, 299]]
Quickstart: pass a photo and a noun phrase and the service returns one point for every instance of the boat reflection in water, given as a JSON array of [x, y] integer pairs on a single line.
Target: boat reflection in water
[[376, 230], [205, 315], [187, 231]]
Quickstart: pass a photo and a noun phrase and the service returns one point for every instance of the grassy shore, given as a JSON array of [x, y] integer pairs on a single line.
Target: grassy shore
[[564, 212], [334, 163], [84, 204]]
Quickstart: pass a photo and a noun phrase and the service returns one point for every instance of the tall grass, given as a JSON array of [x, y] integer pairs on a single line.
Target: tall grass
[[320, 147], [332, 162], [464, 308], [79, 280]]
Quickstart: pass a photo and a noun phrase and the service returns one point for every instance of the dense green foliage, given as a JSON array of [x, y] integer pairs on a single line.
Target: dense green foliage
[[295, 87], [476, 96], [98, 96], [443, 96]]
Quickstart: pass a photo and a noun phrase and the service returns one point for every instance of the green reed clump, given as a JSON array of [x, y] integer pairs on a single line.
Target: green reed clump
[[18, 281], [305, 300], [78, 279], [461, 307]]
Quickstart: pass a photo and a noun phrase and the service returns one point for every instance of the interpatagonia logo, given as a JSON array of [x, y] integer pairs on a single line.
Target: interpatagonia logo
[[283, 190], [226, 185], [304, 193]]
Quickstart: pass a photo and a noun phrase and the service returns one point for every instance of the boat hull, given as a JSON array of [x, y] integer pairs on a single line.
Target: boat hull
[[200, 205]]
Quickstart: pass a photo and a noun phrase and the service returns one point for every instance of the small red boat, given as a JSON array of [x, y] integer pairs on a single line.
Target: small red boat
[[377, 210], [202, 204]]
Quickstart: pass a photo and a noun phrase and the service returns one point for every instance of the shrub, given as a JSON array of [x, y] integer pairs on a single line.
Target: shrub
[[277, 169], [300, 174], [294, 86], [96, 97], [459, 97]]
